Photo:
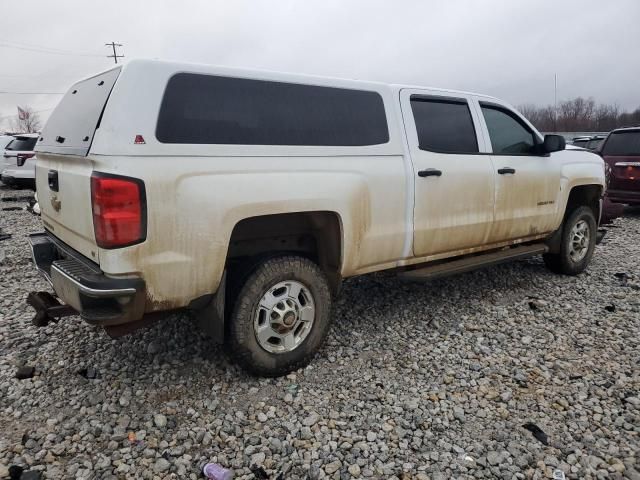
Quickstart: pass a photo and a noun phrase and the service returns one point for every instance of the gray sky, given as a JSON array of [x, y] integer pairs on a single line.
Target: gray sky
[[507, 48]]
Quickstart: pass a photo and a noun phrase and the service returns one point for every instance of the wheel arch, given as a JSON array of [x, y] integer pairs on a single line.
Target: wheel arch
[[589, 195], [317, 235]]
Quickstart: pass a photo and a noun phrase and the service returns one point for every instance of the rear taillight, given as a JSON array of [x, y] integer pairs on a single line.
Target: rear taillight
[[23, 157], [119, 210]]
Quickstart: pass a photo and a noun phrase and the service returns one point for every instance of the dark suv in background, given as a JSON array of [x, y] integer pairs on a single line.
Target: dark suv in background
[[621, 152], [591, 142]]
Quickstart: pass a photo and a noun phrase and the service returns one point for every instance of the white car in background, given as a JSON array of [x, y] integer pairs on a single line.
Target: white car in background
[[4, 141], [20, 161]]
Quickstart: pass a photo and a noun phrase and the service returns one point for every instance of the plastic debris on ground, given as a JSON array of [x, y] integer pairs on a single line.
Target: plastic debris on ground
[[537, 432], [213, 471]]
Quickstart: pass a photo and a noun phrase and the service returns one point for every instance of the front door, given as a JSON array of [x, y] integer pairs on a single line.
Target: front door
[[454, 184], [527, 184]]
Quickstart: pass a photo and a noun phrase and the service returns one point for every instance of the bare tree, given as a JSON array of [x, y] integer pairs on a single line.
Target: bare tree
[[26, 121], [580, 115]]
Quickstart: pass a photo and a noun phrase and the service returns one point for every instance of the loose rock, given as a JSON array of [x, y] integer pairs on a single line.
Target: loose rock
[[402, 368]]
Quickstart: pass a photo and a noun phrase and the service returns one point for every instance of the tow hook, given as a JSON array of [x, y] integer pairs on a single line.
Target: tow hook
[[47, 308]]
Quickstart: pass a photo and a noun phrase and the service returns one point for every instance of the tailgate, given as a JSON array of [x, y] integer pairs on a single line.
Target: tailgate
[[63, 170], [66, 213]]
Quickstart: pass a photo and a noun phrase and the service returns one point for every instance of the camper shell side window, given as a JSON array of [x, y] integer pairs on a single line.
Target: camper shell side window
[[210, 109]]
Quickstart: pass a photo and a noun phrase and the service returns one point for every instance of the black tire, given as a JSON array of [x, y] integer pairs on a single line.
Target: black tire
[[243, 345], [562, 262]]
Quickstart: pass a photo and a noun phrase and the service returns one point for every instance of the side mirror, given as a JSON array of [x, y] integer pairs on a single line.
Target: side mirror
[[554, 143]]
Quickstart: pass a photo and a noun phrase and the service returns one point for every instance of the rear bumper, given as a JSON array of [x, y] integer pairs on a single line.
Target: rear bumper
[[7, 179], [22, 173], [98, 298], [625, 196], [11, 181]]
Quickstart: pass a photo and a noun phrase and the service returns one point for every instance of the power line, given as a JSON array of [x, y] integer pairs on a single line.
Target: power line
[[19, 76], [115, 56], [31, 93], [38, 49]]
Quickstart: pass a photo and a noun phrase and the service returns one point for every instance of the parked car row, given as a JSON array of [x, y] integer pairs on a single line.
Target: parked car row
[[18, 167], [590, 142]]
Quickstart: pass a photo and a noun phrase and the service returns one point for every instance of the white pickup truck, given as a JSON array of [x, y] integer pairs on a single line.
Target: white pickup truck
[[246, 197]]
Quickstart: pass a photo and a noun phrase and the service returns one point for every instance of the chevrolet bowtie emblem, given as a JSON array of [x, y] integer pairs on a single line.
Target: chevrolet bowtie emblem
[[55, 203]]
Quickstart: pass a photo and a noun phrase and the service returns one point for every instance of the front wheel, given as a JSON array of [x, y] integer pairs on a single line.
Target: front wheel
[[281, 316], [577, 244]]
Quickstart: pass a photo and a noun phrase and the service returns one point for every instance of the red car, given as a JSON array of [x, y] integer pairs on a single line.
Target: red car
[[621, 152]]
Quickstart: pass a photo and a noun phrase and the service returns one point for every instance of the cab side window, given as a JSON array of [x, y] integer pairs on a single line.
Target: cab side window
[[444, 125], [508, 134]]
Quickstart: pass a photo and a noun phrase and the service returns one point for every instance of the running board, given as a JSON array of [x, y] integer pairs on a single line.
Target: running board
[[469, 263]]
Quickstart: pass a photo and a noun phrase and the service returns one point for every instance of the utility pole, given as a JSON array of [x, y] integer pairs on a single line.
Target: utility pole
[[555, 103], [115, 56]]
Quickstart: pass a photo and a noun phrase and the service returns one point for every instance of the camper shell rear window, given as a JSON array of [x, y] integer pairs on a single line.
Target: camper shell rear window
[[208, 109], [73, 123]]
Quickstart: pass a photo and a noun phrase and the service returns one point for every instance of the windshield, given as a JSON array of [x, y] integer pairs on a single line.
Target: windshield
[[21, 144], [623, 144]]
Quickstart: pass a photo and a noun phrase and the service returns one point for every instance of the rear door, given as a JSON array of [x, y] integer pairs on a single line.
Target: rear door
[[454, 184], [63, 171]]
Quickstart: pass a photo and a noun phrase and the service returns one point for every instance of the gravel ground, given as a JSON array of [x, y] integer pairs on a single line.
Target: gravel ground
[[417, 381]]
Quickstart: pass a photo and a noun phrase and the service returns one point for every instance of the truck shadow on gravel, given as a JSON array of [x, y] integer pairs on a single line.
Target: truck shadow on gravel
[[373, 316], [632, 211]]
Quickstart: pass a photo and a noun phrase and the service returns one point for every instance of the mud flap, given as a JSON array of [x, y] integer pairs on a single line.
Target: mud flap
[[209, 311], [555, 240]]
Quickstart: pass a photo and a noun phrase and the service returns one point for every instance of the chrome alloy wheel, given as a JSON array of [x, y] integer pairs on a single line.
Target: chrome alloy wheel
[[580, 238], [284, 317]]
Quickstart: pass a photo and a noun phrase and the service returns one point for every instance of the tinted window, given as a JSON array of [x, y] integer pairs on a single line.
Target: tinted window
[[21, 144], [444, 125], [593, 144], [206, 109], [623, 143], [580, 143], [508, 135]]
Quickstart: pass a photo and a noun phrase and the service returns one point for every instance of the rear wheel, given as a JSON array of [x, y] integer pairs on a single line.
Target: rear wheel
[[577, 243], [281, 316]]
